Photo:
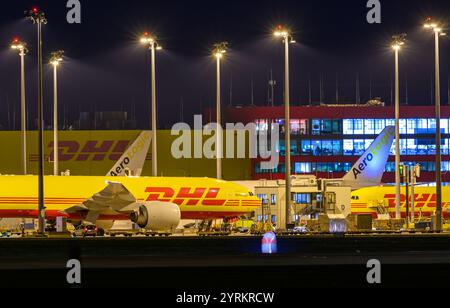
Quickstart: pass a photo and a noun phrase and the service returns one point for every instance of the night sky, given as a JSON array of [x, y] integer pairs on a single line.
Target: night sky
[[105, 68]]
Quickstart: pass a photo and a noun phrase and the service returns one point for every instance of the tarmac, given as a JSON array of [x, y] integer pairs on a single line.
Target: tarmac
[[407, 260]]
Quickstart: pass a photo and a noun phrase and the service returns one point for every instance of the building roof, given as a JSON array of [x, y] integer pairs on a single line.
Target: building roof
[[250, 113]]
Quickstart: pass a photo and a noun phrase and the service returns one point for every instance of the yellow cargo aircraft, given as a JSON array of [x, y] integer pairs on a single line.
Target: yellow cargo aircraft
[[381, 200], [154, 203]]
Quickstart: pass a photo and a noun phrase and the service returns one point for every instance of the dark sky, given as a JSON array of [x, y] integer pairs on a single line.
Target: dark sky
[[106, 69]]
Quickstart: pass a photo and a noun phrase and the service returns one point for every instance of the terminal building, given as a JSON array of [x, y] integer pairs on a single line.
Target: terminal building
[[327, 140]]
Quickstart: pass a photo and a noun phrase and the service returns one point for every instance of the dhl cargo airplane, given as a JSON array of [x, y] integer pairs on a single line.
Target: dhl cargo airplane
[[156, 204], [381, 200], [371, 198]]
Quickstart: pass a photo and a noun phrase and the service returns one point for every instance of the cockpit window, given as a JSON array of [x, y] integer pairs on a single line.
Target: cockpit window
[[355, 197], [251, 194]]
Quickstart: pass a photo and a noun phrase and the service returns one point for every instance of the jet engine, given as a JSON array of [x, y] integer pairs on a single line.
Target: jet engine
[[157, 216]]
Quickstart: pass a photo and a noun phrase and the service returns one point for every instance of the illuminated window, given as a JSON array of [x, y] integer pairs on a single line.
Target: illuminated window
[[315, 127], [358, 127], [316, 148], [368, 142], [262, 125], [327, 148], [402, 126], [444, 126], [337, 148], [299, 127], [359, 147], [369, 126], [306, 147], [347, 125], [411, 147], [302, 168], [379, 125], [348, 147]]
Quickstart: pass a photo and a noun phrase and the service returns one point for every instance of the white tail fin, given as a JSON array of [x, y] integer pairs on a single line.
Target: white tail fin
[[134, 157], [369, 169]]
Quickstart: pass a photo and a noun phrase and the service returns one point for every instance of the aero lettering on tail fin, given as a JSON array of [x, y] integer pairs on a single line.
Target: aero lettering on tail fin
[[134, 157], [370, 167]]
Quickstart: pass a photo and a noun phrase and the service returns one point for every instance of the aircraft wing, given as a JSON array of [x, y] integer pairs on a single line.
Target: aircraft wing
[[115, 197]]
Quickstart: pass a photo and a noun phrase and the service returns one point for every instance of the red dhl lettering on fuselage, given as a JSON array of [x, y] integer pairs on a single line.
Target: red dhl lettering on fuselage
[[191, 196], [420, 200], [94, 150]]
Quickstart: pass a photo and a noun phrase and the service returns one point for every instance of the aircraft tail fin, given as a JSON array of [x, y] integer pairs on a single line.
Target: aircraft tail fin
[[133, 159], [369, 168]]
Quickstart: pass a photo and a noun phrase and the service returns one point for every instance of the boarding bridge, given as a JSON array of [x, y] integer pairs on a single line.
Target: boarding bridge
[[310, 197]]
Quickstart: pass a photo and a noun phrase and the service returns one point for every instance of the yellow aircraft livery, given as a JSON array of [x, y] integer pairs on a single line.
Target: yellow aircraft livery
[[381, 200], [74, 196]]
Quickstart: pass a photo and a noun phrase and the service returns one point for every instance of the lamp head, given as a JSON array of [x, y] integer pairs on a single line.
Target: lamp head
[[220, 49], [56, 57]]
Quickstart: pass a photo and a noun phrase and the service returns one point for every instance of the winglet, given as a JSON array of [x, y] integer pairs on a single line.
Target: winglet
[[134, 157], [369, 168]]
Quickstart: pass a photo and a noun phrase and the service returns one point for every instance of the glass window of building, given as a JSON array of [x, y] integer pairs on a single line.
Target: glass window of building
[[273, 199], [295, 127], [262, 125], [379, 125], [422, 146], [402, 126], [347, 126], [263, 199], [390, 122], [302, 198], [348, 147], [316, 148], [358, 126], [369, 126], [337, 127], [282, 148], [359, 147], [294, 147], [299, 127], [444, 126], [411, 147], [367, 143], [403, 147], [431, 126], [337, 148], [445, 147], [301, 168], [411, 126], [327, 127], [347, 167], [306, 147], [280, 123], [315, 127], [421, 126], [327, 148]]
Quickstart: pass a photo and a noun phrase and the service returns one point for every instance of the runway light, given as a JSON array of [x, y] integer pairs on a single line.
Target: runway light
[[269, 243]]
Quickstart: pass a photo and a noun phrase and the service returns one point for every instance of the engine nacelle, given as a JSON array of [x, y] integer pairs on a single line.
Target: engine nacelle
[[157, 216]]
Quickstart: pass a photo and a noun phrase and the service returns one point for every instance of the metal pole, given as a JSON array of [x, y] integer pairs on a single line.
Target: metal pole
[[42, 221], [219, 121], [23, 112], [287, 131], [397, 139], [407, 195], [154, 124], [438, 138], [413, 182], [55, 122]]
